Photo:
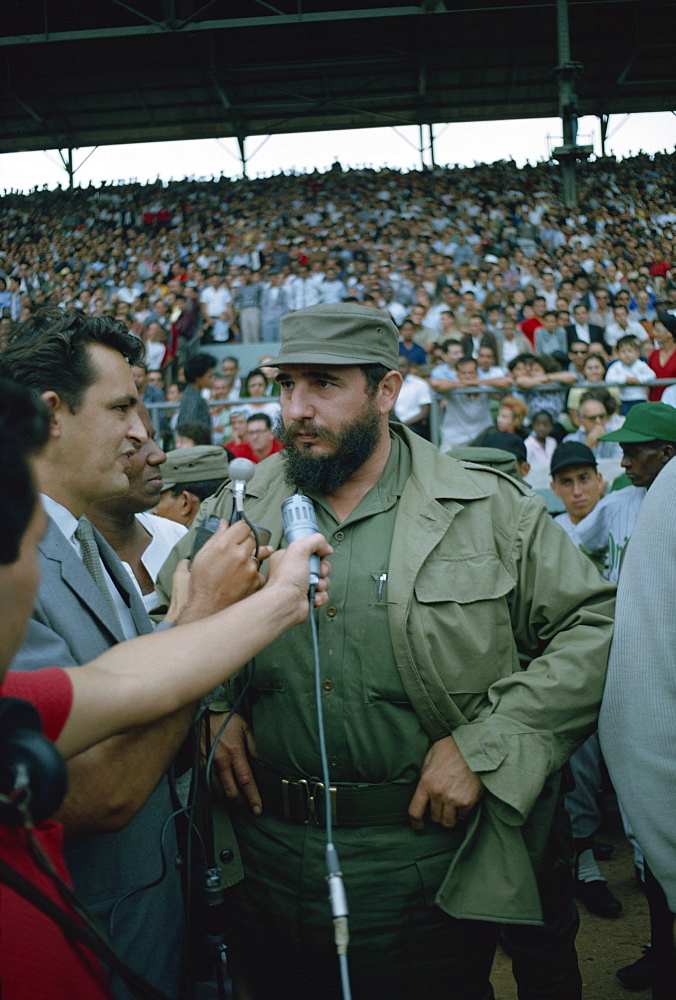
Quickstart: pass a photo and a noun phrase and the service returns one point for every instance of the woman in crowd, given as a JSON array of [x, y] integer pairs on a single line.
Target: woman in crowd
[[594, 371], [255, 388], [663, 359]]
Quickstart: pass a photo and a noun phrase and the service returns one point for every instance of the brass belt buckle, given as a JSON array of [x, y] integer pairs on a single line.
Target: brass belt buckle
[[312, 788]]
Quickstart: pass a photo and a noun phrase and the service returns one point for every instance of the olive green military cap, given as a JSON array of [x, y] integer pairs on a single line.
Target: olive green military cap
[[342, 334], [195, 465]]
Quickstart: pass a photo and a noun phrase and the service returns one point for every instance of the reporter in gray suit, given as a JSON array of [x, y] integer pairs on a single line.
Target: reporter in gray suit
[[117, 813]]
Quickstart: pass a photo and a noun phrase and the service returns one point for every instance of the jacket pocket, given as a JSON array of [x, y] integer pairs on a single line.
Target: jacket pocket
[[463, 610]]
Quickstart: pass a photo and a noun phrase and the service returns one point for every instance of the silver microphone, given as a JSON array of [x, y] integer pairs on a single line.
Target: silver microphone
[[241, 470], [298, 517]]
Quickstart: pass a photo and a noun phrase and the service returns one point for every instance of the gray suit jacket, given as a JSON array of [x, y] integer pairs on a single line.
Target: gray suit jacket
[[71, 624]]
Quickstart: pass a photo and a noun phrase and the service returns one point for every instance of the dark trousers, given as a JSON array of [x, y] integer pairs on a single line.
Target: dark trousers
[[663, 952], [448, 960], [544, 959], [402, 945]]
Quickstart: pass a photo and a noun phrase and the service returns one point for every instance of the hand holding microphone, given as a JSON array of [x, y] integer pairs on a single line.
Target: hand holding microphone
[[224, 570], [298, 516], [288, 572]]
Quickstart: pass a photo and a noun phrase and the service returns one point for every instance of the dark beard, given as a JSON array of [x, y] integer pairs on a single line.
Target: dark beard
[[356, 441]]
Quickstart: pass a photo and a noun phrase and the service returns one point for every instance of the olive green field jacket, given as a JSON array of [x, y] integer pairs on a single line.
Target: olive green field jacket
[[501, 630]]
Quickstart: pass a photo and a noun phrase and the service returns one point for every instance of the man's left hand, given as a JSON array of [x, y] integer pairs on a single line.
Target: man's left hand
[[447, 785]]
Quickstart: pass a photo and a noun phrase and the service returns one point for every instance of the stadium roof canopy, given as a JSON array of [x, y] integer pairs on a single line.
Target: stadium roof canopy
[[92, 72]]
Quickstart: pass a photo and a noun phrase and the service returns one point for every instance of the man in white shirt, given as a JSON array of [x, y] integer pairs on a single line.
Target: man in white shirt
[[303, 290], [415, 398], [467, 414], [217, 311], [141, 540], [332, 290], [623, 326], [581, 329]]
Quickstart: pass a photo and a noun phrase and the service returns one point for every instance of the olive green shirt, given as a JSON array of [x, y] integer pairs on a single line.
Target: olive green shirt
[[372, 732]]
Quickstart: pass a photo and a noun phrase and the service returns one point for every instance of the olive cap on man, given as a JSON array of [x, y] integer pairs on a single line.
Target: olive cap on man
[[342, 334], [195, 465]]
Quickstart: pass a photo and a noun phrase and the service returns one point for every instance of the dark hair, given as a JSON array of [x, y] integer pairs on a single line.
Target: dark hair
[[202, 490], [48, 352], [197, 366], [548, 362], [542, 413], [24, 428], [374, 374], [197, 431], [600, 395], [445, 344], [255, 371], [627, 340], [525, 358], [465, 360], [593, 354], [260, 416]]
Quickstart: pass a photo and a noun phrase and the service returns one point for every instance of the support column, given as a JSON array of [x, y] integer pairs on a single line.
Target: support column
[[68, 165], [240, 142], [604, 121], [567, 72], [431, 128]]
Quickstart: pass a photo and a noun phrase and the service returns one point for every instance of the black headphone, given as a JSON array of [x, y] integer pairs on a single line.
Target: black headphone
[[33, 776]]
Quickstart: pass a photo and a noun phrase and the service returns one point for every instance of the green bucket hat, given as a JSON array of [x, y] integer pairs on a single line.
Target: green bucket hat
[[646, 422], [342, 334]]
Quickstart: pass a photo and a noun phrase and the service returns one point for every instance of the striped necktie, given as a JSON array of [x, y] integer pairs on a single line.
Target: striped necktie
[[92, 560]]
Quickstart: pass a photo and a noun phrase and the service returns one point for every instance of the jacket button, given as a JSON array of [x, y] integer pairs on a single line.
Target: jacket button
[[327, 685], [339, 536], [226, 856], [546, 792], [331, 612], [334, 761]]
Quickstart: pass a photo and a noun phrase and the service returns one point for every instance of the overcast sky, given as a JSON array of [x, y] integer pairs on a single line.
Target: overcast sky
[[464, 144]]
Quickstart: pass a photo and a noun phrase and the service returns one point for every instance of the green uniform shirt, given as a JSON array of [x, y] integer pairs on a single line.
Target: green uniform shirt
[[372, 732]]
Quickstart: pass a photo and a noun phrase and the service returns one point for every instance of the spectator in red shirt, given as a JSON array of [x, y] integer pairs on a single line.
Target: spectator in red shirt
[[260, 440], [663, 359], [534, 311]]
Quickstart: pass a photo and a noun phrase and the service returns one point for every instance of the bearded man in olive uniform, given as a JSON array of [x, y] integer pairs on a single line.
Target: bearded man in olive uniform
[[463, 652]]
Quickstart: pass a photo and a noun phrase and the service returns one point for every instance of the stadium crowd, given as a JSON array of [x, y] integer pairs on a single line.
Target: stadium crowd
[[523, 327], [481, 255]]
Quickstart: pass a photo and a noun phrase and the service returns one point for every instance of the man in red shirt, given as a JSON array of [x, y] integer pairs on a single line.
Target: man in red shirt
[[260, 441], [534, 312]]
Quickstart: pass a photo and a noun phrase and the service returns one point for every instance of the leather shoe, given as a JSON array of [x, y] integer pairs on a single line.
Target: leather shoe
[[602, 852], [598, 898], [638, 975]]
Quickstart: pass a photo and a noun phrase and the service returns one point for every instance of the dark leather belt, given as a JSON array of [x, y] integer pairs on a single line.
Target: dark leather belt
[[301, 800]]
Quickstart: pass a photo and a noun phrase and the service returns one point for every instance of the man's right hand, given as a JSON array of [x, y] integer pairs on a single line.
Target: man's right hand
[[231, 761]]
